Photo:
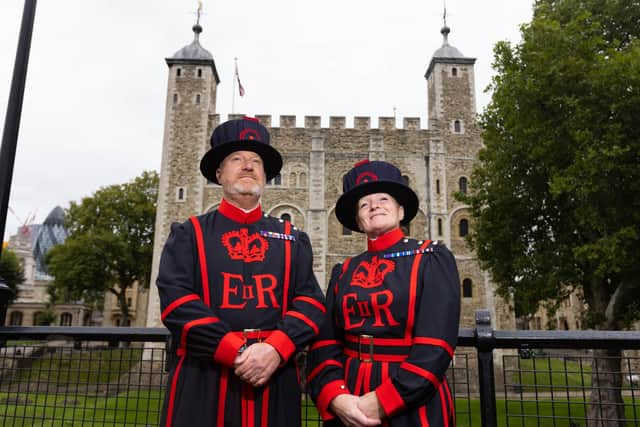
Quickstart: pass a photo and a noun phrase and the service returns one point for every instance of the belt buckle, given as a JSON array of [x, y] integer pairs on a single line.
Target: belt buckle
[[246, 336], [370, 344]]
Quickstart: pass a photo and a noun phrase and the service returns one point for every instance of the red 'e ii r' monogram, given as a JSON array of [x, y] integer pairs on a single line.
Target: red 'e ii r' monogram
[[378, 303], [265, 285]]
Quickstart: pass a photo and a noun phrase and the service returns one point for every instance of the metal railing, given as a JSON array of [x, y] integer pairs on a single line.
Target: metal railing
[[92, 376]]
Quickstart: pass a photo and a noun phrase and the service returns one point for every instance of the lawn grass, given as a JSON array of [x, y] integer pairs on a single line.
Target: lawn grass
[[546, 371], [141, 408], [65, 366]]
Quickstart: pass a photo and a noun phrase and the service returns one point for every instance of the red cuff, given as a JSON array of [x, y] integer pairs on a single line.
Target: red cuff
[[327, 394], [282, 343], [389, 398], [227, 350]]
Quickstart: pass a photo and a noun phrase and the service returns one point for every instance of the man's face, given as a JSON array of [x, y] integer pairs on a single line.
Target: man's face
[[242, 172]]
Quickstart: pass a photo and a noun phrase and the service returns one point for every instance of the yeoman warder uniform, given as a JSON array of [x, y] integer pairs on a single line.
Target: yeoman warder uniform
[[393, 315], [227, 279]]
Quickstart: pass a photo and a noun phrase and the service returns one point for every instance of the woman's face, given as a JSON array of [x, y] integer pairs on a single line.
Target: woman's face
[[378, 213]]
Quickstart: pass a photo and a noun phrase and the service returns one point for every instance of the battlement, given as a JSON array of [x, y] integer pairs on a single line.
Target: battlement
[[335, 122]]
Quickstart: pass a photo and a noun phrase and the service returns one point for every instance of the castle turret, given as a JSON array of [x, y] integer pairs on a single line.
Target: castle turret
[[190, 105], [450, 76]]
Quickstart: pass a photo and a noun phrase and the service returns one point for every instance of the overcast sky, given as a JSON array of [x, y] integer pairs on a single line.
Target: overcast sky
[[93, 111]]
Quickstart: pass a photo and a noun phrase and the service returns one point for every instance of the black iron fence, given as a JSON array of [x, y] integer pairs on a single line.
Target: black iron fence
[[88, 376]]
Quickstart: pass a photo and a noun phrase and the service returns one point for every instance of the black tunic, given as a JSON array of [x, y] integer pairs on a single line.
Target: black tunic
[[393, 317], [247, 271]]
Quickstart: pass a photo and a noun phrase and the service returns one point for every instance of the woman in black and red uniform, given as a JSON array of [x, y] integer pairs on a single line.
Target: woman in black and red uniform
[[393, 314]]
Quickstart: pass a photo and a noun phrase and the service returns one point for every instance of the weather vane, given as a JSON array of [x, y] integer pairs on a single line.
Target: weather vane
[[444, 16], [199, 12]]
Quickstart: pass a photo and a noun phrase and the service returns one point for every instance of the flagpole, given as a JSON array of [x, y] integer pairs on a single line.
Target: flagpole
[[235, 77]]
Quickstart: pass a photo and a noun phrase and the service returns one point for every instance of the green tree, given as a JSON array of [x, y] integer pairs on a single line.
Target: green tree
[[11, 271], [556, 194], [110, 243]]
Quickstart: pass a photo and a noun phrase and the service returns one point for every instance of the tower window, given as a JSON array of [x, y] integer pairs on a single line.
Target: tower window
[[454, 72], [439, 227], [464, 227], [293, 179], [198, 98], [199, 72], [181, 194], [467, 288], [175, 98], [462, 184], [179, 72], [437, 186], [456, 126]]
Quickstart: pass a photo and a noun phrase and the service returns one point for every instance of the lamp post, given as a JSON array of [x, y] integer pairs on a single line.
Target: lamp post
[[11, 127]]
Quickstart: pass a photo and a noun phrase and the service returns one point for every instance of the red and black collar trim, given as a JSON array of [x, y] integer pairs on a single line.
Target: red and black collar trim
[[238, 215], [385, 241]]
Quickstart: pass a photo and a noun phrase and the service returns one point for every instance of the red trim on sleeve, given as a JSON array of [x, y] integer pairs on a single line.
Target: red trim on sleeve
[[287, 268], [434, 341], [389, 398], [421, 372], [345, 265], [327, 394], [227, 350], [177, 303], [323, 343], [321, 366], [203, 260], [282, 343], [305, 319], [313, 302], [187, 327], [412, 291]]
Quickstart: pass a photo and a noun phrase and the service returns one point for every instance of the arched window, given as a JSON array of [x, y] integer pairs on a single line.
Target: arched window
[[199, 72], [180, 193], [293, 178], [66, 319], [467, 288], [198, 98], [464, 227], [175, 98], [303, 179], [437, 186], [16, 318], [285, 216], [456, 126], [454, 71], [179, 72], [439, 227], [462, 184]]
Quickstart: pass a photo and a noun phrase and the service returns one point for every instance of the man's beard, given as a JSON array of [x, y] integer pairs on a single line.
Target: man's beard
[[245, 189]]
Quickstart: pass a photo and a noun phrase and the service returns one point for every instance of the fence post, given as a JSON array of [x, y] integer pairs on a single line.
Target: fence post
[[485, 343]]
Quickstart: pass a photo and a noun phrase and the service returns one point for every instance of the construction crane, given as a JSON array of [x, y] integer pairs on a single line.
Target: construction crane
[[25, 228]]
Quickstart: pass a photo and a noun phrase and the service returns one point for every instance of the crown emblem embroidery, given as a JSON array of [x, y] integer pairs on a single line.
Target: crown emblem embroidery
[[242, 246], [369, 275]]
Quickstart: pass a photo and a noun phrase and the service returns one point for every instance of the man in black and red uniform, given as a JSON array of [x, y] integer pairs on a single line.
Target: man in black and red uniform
[[238, 295]]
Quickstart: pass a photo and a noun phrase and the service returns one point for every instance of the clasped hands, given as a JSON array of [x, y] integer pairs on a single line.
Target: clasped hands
[[356, 411], [257, 363]]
